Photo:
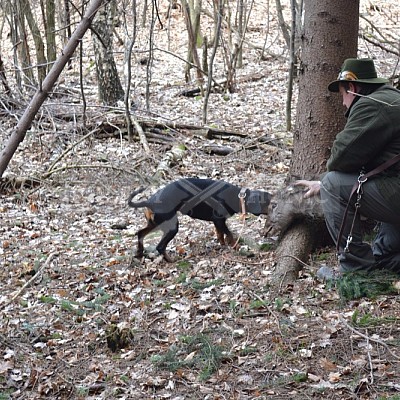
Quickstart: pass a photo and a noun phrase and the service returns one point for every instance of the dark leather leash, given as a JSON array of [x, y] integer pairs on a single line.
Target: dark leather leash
[[357, 187], [242, 195]]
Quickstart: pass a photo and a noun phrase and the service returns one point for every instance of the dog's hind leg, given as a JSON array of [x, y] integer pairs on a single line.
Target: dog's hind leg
[[222, 230], [170, 229], [151, 225], [141, 235]]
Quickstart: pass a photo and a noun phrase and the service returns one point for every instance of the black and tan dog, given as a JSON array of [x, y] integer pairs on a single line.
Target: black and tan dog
[[204, 199]]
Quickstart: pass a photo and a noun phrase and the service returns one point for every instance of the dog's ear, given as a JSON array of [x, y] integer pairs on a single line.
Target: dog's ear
[[258, 201]]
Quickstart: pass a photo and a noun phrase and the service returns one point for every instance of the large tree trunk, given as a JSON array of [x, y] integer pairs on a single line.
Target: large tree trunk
[[24, 123], [330, 35]]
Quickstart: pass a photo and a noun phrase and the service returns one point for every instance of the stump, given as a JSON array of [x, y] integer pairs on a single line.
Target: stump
[[294, 249], [300, 226]]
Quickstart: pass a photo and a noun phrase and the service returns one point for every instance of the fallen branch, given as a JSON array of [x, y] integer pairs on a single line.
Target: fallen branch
[[142, 135], [19, 132], [91, 166], [12, 183], [64, 153], [221, 85], [40, 270], [344, 322]]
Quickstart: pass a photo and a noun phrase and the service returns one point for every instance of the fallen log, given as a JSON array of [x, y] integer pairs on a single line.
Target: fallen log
[[116, 127], [170, 158], [217, 150]]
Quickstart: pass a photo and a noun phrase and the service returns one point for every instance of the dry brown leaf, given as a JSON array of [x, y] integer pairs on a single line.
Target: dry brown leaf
[[327, 365], [334, 377]]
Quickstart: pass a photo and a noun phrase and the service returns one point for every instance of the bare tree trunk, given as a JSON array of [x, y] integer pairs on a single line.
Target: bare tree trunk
[[234, 53], [267, 17], [129, 43], [192, 19], [144, 15], [150, 58], [240, 31], [10, 9], [109, 84], [81, 79], [37, 39], [50, 28], [3, 78], [282, 23], [131, 121], [25, 122], [217, 35], [195, 13], [64, 20], [21, 43]]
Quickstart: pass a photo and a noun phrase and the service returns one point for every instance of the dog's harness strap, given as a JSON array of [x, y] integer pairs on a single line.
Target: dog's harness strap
[[200, 195]]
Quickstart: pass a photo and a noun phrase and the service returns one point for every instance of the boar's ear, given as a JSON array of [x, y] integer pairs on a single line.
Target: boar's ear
[[257, 202]]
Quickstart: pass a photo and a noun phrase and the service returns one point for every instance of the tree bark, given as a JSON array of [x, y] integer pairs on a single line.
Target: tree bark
[[24, 123], [329, 36], [292, 67]]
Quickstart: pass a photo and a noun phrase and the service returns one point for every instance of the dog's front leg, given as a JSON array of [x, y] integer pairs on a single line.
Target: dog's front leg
[[224, 235]]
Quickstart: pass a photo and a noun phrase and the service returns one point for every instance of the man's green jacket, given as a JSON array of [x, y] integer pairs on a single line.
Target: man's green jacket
[[370, 137]]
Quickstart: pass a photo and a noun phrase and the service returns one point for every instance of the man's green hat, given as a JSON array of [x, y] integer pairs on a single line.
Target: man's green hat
[[360, 70]]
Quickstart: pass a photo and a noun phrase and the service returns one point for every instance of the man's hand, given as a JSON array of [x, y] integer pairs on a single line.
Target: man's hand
[[312, 186]]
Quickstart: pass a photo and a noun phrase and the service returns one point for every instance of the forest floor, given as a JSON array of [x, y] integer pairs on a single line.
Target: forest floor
[[79, 321]]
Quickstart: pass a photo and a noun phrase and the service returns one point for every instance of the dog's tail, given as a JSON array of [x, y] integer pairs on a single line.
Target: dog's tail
[[137, 204]]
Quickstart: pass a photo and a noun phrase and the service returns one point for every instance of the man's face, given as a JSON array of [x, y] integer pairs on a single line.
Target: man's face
[[347, 97]]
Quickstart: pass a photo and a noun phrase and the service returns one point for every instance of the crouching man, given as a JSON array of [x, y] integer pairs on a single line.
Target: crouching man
[[368, 143]]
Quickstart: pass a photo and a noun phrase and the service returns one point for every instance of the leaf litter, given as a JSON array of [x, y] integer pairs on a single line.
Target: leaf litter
[[79, 321]]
